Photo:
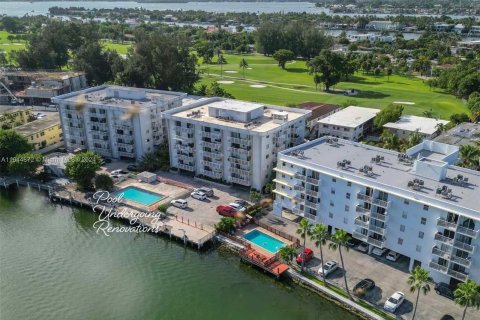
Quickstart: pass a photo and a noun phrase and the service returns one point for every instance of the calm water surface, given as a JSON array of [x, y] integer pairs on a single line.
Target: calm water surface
[[53, 265]]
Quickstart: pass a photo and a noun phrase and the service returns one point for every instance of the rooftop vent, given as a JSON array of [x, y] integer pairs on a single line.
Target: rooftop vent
[[298, 153], [344, 164], [377, 159], [460, 180], [333, 141], [405, 158], [366, 170], [445, 192], [416, 184]]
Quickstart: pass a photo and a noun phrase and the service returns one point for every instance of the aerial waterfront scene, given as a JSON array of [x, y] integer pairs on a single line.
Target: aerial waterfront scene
[[232, 160]]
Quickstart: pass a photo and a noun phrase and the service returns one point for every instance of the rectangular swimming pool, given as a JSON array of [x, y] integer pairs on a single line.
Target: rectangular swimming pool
[[264, 240], [140, 196]]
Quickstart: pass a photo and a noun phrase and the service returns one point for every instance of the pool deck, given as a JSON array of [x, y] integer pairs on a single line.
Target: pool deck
[[240, 233]]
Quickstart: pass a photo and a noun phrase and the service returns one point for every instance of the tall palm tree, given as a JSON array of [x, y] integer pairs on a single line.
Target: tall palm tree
[[418, 281], [243, 65], [221, 61], [287, 254], [320, 235], [339, 240], [304, 230], [468, 155], [317, 79], [467, 295]]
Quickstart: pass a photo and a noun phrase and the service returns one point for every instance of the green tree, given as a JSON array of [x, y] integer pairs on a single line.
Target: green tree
[[458, 118], [389, 140], [474, 102], [243, 65], [428, 113], [221, 61], [418, 281], [317, 79], [320, 236], [391, 113], [163, 207], [215, 90], [226, 224], [25, 164], [103, 181], [339, 240], [469, 155], [414, 138], [81, 168], [11, 144], [422, 65], [97, 64], [467, 295], [255, 196], [329, 65], [283, 56], [287, 254], [389, 73], [304, 230]]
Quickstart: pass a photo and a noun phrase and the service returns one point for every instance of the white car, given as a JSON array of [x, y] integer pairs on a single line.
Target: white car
[[393, 256], [198, 195], [179, 203], [394, 301], [237, 206], [363, 247], [328, 267], [379, 252]]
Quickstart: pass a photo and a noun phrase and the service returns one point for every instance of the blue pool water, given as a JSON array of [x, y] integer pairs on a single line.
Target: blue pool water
[[140, 196], [264, 240]]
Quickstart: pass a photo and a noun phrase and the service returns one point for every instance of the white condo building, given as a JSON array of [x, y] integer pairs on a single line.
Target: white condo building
[[232, 141], [418, 203], [116, 122]]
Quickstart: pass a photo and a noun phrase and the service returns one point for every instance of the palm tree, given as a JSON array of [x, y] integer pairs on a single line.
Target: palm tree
[[467, 295], [468, 155], [389, 140], [418, 281], [304, 230], [243, 65], [414, 138], [317, 79], [221, 61], [287, 253], [428, 113], [440, 127], [339, 240], [320, 235]]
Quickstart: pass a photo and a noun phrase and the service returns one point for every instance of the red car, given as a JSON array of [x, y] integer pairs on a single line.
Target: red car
[[308, 253], [226, 211]]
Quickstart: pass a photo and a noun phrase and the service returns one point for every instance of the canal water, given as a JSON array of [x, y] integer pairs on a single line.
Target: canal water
[[53, 265]]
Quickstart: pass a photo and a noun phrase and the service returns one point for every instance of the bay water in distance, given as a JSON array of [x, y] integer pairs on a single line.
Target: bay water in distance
[[53, 265]]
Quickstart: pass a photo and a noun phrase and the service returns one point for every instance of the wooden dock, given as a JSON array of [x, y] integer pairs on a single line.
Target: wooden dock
[[271, 264]]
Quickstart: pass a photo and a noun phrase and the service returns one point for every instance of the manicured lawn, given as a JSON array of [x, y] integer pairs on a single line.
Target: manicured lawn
[[6, 45], [295, 85], [121, 48]]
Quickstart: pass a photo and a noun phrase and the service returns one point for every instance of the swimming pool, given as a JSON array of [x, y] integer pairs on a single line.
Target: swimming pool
[[264, 240], [140, 196]]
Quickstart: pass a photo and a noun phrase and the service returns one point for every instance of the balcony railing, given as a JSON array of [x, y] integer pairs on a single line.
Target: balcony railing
[[364, 197], [126, 154], [442, 222], [186, 167], [461, 261], [212, 174], [381, 203], [458, 275], [379, 216], [313, 180], [361, 223], [439, 252], [299, 176], [298, 198], [360, 236], [184, 148], [240, 171], [241, 141], [311, 204], [378, 230], [312, 193], [299, 187], [239, 161], [468, 232], [362, 210], [375, 242], [309, 216], [240, 151], [463, 246], [244, 182], [214, 135], [438, 267], [212, 145], [443, 239]]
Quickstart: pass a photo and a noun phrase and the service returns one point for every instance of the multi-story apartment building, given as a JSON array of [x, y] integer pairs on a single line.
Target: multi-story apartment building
[[416, 203], [116, 122], [232, 141], [43, 134], [11, 117], [427, 127]]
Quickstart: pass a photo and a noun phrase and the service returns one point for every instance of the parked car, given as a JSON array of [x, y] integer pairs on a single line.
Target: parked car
[[352, 242], [394, 301], [198, 195], [208, 191], [379, 251], [132, 167], [226, 211], [179, 203], [119, 171], [363, 247], [307, 253], [363, 286], [393, 256], [328, 267], [237, 206], [444, 289], [241, 202]]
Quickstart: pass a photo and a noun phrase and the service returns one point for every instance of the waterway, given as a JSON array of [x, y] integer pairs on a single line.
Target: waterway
[[53, 265], [21, 8]]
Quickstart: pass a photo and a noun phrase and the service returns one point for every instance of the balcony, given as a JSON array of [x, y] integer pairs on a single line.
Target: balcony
[[441, 238], [184, 148], [362, 210], [309, 216], [379, 230], [212, 174], [364, 197], [438, 267], [299, 187], [458, 275], [375, 242], [468, 232], [186, 167], [126, 154], [298, 198], [241, 141], [183, 131], [379, 216], [240, 151], [311, 204], [213, 135], [463, 246], [214, 165], [359, 222], [300, 176], [360, 236], [313, 180], [442, 222], [440, 253], [243, 181], [461, 261], [239, 161], [312, 193], [240, 171], [212, 145]]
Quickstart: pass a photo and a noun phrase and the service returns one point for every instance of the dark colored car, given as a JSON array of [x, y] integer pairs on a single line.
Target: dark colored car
[[308, 253], [226, 211], [353, 242], [444, 289], [364, 286], [132, 167], [242, 203]]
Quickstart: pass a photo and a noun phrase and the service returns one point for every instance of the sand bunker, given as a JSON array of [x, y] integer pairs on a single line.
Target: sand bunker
[[404, 102], [258, 86], [225, 82], [230, 71]]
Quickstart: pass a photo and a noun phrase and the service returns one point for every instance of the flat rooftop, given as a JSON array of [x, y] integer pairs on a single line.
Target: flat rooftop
[[51, 119], [10, 109], [390, 172], [350, 117], [44, 75], [318, 109], [122, 97], [198, 112], [463, 134], [413, 123]]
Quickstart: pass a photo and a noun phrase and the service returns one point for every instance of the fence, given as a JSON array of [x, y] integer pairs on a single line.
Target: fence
[[282, 234]]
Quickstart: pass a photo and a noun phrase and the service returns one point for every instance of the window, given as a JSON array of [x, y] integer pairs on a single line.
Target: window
[[334, 180], [402, 228], [330, 215], [400, 241], [348, 195], [406, 202], [418, 248], [349, 184], [404, 215], [423, 221], [345, 220], [331, 203], [420, 234], [425, 207], [332, 191]]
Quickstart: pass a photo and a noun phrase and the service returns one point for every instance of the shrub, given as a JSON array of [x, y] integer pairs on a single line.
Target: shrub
[[103, 181]]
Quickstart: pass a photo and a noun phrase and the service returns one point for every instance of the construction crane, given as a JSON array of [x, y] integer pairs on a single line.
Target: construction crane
[[14, 99]]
